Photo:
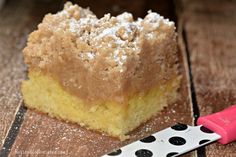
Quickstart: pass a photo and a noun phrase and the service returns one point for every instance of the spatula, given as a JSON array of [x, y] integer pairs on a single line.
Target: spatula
[[181, 138]]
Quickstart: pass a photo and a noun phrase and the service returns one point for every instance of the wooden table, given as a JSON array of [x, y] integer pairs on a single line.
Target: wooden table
[[207, 51]]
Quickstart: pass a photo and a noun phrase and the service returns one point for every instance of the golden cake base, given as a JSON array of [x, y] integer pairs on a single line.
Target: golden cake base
[[45, 94]]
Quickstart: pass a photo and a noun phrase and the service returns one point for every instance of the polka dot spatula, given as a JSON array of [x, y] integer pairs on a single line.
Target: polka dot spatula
[[180, 138]]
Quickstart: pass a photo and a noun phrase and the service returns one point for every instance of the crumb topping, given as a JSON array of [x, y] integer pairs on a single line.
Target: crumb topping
[[113, 54], [121, 34]]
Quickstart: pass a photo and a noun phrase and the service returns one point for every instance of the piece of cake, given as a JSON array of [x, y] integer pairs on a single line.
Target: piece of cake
[[110, 74]]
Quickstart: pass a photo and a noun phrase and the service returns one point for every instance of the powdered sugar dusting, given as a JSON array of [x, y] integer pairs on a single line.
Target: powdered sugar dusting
[[125, 17], [108, 31], [74, 26], [90, 55], [121, 33]]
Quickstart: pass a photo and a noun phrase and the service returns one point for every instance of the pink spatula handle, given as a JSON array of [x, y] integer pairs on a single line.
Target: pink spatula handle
[[222, 123]]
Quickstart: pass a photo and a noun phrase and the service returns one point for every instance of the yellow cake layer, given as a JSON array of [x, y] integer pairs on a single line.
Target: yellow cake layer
[[45, 94]]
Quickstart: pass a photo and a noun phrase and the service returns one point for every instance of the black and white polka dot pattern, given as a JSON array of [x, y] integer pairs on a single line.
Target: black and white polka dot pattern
[[170, 142]]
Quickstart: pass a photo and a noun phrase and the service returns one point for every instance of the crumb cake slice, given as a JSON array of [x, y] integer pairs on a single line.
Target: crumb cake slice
[[110, 74]]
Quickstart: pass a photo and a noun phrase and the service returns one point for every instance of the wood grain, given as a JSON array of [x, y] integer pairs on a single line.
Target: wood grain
[[41, 135], [210, 32], [13, 34], [17, 20]]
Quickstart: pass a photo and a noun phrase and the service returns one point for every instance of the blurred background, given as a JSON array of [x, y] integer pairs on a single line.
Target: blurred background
[[138, 8]]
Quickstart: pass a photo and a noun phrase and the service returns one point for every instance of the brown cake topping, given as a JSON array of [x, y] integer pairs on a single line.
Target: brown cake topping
[[118, 55]]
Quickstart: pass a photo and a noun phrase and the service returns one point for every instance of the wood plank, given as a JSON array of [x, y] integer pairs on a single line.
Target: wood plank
[[12, 38], [41, 135], [210, 33], [16, 22]]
